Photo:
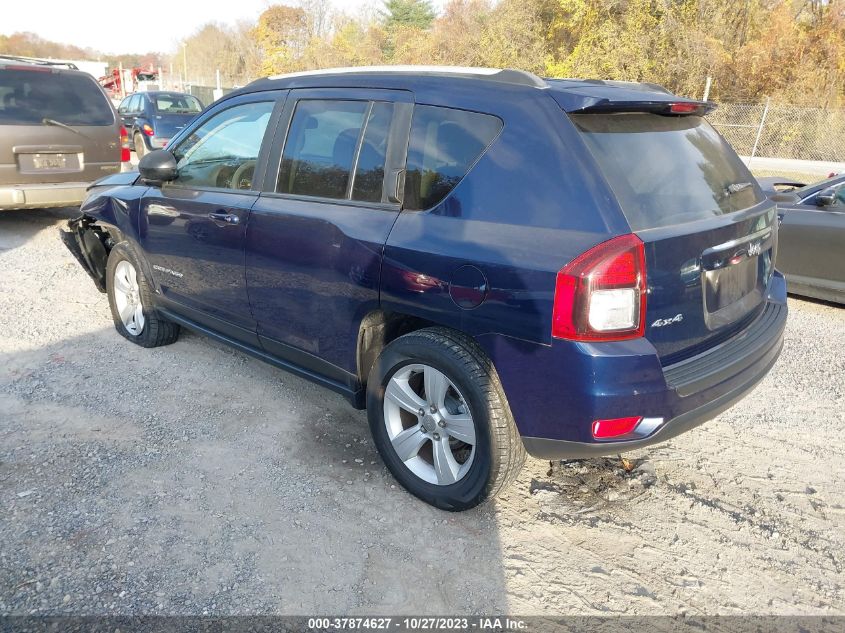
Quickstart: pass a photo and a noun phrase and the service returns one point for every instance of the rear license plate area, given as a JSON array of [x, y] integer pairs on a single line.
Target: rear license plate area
[[49, 161], [734, 278], [729, 285]]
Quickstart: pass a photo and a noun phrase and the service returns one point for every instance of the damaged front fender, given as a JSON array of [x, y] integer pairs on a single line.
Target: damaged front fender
[[90, 245]]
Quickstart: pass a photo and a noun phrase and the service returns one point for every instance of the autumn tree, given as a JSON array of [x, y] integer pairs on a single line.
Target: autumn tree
[[282, 35]]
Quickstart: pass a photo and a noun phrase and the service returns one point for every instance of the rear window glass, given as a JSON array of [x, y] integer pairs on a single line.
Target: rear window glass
[[176, 104], [444, 144], [369, 172], [27, 97], [320, 148], [667, 170]]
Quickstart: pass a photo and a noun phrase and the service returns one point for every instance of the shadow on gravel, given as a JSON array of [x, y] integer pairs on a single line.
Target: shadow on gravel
[[18, 227], [139, 481]]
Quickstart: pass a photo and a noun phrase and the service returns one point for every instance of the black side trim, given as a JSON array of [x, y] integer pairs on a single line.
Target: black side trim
[[731, 357], [355, 397]]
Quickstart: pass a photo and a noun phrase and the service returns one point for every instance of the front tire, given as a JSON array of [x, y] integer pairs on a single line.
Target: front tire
[[131, 301], [440, 419]]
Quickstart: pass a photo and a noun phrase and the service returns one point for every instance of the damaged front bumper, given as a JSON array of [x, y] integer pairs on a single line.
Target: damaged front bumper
[[87, 242]]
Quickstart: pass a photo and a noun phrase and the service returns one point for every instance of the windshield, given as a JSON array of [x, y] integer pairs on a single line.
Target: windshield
[[667, 170], [27, 97], [177, 104]]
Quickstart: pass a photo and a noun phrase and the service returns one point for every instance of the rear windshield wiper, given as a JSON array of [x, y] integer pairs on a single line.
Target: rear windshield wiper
[[47, 121], [736, 188]]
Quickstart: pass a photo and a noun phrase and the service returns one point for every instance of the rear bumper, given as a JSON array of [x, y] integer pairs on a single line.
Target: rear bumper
[[34, 196], [562, 449], [580, 383]]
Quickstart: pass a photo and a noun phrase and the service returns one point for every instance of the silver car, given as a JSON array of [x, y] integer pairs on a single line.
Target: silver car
[[58, 133]]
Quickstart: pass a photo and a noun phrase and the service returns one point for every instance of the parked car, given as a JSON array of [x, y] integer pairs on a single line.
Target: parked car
[[772, 185], [489, 262], [812, 238], [152, 118], [58, 133]]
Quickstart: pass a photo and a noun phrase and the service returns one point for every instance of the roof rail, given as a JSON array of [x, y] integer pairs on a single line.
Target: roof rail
[[507, 75], [38, 61]]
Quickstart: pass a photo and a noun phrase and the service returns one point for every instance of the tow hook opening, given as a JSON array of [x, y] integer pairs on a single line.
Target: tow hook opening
[[90, 245]]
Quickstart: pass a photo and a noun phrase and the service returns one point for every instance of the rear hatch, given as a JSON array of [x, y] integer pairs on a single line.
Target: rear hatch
[[168, 125], [56, 125], [709, 232], [173, 111]]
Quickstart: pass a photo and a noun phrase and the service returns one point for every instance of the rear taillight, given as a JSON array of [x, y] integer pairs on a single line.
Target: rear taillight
[[148, 130], [601, 294], [124, 145]]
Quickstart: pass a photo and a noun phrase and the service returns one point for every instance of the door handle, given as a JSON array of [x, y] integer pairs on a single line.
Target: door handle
[[221, 217]]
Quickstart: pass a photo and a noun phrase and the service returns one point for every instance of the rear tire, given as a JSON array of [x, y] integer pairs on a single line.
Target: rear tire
[[468, 426], [131, 301], [140, 146]]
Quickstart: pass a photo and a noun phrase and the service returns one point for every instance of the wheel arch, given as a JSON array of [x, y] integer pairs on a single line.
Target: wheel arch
[[379, 328]]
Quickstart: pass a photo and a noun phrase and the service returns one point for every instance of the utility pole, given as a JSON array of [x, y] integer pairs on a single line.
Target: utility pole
[[185, 61]]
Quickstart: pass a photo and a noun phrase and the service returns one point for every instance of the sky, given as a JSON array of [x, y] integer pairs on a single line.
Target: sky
[[104, 25]]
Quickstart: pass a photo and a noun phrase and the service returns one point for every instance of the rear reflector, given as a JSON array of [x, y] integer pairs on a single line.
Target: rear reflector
[[606, 429], [601, 294]]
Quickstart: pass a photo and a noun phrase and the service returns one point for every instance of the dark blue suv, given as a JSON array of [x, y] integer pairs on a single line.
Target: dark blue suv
[[489, 262]]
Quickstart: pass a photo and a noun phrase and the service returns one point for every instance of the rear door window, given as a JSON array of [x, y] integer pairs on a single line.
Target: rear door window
[[369, 167], [667, 170], [320, 148], [444, 145], [27, 97]]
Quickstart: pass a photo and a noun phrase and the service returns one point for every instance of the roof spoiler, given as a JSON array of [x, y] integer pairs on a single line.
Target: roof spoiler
[[673, 107]]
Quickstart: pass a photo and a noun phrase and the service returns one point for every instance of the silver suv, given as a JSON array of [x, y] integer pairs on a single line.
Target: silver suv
[[58, 133]]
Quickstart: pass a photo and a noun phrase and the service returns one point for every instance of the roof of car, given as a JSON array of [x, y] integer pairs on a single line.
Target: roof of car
[[164, 92], [572, 94]]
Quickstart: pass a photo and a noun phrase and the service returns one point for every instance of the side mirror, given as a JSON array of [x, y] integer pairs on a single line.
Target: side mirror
[[157, 167], [826, 197]]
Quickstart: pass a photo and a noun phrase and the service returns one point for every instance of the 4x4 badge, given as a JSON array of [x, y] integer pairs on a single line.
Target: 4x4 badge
[[754, 249], [675, 319]]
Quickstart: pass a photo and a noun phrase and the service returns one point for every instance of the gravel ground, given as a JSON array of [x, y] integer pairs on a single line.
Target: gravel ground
[[192, 479]]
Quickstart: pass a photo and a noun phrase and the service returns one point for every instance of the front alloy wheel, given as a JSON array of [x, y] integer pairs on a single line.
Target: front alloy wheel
[[429, 424], [127, 297], [131, 301]]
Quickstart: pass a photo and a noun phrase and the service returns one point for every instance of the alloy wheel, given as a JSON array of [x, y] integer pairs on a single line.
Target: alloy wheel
[[429, 424], [127, 298]]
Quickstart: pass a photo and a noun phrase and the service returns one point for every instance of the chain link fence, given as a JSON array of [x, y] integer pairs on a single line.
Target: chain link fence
[[782, 131]]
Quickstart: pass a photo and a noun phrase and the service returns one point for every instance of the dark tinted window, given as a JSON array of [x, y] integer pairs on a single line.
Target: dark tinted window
[[444, 144], [320, 148], [176, 104], [222, 152], [667, 170], [369, 173], [29, 96]]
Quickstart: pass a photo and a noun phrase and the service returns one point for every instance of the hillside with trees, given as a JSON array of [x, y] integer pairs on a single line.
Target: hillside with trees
[[791, 50]]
